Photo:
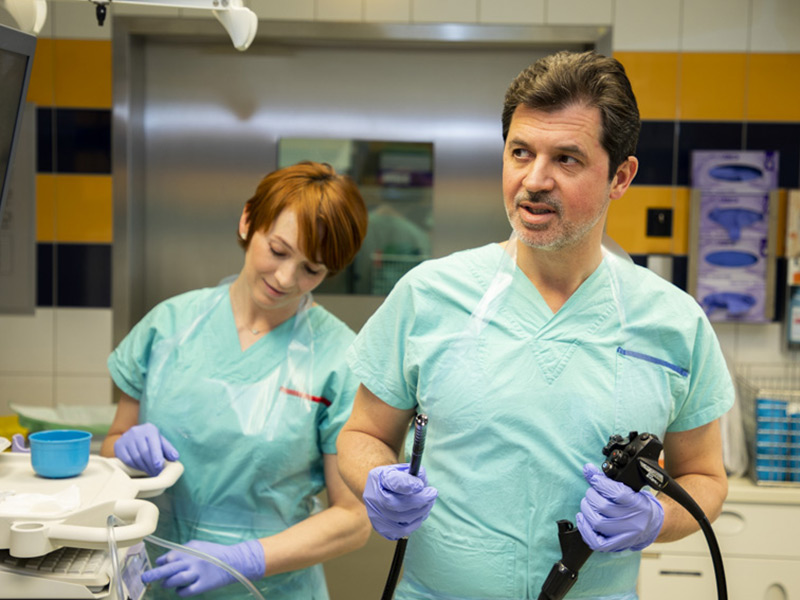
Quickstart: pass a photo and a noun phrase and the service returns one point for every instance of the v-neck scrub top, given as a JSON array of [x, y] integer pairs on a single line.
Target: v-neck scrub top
[[516, 410], [251, 432]]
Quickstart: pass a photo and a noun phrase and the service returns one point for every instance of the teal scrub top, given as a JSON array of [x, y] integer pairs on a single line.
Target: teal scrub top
[[518, 408], [251, 427]]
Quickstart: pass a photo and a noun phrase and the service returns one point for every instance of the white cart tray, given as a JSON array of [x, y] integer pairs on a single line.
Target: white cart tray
[[106, 487]]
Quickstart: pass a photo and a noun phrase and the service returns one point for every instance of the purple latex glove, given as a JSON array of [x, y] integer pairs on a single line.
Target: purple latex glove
[[18, 443], [397, 503], [143, 447], [614, 518], [192, 575]]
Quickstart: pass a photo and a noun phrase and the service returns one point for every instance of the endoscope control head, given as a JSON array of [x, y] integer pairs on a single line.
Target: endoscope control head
[[624, 462]]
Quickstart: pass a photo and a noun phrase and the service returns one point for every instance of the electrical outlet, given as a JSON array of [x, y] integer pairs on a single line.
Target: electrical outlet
[[659, 222]]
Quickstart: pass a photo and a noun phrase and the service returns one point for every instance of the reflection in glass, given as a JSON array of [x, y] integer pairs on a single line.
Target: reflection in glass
[[396, 181]]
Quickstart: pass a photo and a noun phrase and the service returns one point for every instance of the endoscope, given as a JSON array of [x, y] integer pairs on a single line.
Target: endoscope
[[420, 429], [631, 460]]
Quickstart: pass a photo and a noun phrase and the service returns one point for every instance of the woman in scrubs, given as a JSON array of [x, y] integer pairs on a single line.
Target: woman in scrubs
[[245, 384]]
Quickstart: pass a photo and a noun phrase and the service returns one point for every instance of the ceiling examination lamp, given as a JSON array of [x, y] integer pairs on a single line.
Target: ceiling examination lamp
[[30, 15], [240, 22]]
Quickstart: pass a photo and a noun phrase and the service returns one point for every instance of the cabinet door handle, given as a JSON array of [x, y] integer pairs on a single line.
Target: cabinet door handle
[[730, 523], [676, 573]]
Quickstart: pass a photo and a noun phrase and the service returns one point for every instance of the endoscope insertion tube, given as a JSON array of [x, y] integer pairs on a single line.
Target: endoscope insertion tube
[[420, 428]]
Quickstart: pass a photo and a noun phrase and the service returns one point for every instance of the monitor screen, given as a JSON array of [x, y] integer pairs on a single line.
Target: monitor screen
[[16, 60]]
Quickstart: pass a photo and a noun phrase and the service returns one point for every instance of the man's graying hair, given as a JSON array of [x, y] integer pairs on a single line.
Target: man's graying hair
[[565, 78]]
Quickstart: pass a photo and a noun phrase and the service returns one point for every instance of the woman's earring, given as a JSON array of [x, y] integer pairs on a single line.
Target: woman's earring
[[243, 235]]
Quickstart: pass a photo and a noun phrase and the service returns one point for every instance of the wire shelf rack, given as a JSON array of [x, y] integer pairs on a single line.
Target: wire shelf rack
[[770, 396]]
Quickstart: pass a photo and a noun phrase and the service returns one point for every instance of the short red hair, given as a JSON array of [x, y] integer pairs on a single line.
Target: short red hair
[[331, 214]]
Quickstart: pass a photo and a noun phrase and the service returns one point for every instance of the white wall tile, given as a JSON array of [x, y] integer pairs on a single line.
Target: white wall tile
[[82, 340], [647, 25], [27, 390], [444, 11], [775, 26], [26, 343], [512, 12], [727, 336], [83, 391], [387, 11], [76, 19], [579, 12], [340, 10], [760, 343], [295, 10], [715, 26]]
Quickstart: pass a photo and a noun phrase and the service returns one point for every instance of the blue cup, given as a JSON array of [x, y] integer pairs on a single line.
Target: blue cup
[[59, 453]]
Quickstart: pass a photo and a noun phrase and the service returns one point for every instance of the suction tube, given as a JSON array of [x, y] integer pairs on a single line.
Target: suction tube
[[634, 462], [112, 546], [420, 424], [207, 557]]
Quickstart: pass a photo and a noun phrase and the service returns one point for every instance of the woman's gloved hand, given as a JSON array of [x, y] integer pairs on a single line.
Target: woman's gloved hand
[[614, 518], [143, 447], [192, 575], [397, 503]]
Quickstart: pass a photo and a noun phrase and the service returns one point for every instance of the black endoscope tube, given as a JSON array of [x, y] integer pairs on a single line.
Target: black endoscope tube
[[420, 423]]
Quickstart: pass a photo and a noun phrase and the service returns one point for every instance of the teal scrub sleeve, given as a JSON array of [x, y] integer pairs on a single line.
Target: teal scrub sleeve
[[710, 392], [340, 392], [381, 356], [128, 363]]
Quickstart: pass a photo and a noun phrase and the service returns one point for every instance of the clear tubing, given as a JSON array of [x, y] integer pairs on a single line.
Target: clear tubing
[[112, 547], [207, 557]]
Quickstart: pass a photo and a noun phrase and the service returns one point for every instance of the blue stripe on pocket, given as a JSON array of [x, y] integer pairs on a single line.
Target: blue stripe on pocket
[[679, 370]]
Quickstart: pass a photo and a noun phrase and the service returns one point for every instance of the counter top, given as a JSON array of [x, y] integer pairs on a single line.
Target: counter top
[[744, 489]]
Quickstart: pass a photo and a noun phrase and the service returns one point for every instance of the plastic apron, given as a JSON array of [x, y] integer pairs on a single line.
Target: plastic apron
[[492, 534], [242, 441]]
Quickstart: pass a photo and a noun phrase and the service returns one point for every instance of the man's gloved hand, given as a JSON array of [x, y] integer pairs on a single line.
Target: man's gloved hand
[[614, 518], [143, 447], [397, 503], [192, 575]]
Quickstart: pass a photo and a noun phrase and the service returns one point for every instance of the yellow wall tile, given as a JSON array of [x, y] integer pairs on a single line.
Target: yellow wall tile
[[773, 91], [654, 77], [74, 208], [40, 88], [712, 86], [71, 74], [627, 219]]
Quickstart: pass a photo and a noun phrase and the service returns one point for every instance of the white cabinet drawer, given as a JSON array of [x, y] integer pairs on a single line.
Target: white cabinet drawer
[[746, 530], [670, 577]]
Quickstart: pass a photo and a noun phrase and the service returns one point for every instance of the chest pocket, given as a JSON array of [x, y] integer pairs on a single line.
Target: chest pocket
[[648, 389]]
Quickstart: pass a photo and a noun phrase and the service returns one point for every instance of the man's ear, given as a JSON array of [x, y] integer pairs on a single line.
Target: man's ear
[[623, 177]]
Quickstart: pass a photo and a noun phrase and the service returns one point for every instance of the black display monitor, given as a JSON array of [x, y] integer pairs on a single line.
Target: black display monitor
[[16, 59]]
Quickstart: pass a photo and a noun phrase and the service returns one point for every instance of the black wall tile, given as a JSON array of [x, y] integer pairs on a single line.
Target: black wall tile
[[783, 137], [83, 275], [44, 140], [680, 270], [44, 275], [655, 152], [82, 141]]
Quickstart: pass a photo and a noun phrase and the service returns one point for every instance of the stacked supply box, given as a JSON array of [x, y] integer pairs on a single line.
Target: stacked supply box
[[733, 234]]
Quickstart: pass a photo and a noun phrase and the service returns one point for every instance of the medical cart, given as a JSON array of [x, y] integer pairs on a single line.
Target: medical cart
[[54, 551]]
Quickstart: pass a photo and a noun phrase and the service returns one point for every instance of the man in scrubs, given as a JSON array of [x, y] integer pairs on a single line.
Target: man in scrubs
[[526, 356]]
